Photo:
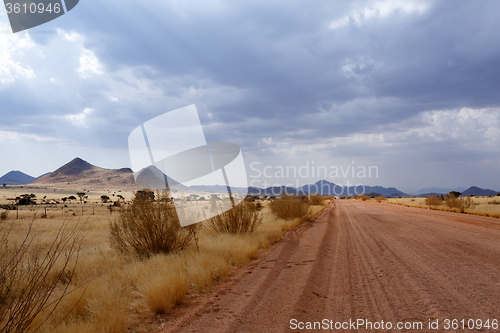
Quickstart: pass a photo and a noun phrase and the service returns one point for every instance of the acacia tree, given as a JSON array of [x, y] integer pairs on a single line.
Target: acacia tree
[[81, 195]]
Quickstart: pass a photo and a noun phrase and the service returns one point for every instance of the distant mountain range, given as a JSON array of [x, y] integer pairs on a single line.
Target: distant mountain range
[[438, 190], [473, 190], [81, 174], [324, 187]]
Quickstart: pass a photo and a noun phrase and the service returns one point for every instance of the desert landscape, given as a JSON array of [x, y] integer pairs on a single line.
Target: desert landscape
[[249, 166], [98, 286], [343, 258]]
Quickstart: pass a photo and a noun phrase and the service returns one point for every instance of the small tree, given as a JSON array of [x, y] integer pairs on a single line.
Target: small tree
[[104, 198], [81, 195], [4, 185], [26, 199], [456, 194]]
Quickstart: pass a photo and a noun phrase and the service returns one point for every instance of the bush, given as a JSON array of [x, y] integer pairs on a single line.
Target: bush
[[30, 273], [380, 198], [4, 215], [363, 197], [433, 200], [290, 207], [146, 228], [242, 218], [316, 199], [459, 203]]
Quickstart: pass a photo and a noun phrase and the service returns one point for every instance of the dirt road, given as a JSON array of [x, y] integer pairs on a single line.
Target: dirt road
[[360, 260]]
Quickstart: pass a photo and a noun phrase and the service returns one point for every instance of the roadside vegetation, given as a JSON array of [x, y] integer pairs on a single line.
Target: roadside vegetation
[[290, 207], [362, 197], [453, 202], [113, 270]]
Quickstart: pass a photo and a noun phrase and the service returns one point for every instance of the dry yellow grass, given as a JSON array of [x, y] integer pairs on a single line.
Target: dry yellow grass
[[363, 197], [113, 292], [484, 206]]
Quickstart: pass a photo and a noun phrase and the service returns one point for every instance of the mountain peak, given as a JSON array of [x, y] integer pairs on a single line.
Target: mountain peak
[[79, 173], [16, 178], [477, 191], [73, 168]]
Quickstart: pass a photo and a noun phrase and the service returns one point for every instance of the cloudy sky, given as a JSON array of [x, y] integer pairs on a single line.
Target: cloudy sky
[[411, 87]]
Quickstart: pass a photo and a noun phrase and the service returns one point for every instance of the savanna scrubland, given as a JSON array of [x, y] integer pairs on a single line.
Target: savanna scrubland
[[75, 267]]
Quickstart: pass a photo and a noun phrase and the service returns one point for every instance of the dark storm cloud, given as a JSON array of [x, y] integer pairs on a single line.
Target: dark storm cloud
[[285, 70]]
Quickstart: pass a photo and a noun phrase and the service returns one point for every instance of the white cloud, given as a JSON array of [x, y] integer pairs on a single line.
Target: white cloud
[[8, 136], [467, 129], [268, 141], [13, 46], [80, 118], [71, 36], [380, 9], [89, 64], [479, 128]]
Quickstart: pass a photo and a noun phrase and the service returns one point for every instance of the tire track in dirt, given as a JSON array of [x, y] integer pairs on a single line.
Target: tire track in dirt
[[359, 260]]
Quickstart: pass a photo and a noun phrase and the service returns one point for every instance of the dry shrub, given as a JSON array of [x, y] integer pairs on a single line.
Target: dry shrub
[[380, 198], [146, 227], [290, 207], [240, 219], [4, 215], [30, 273], [433, 200], [316, 199], [363, 197], [249, 199], [459, 203]]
